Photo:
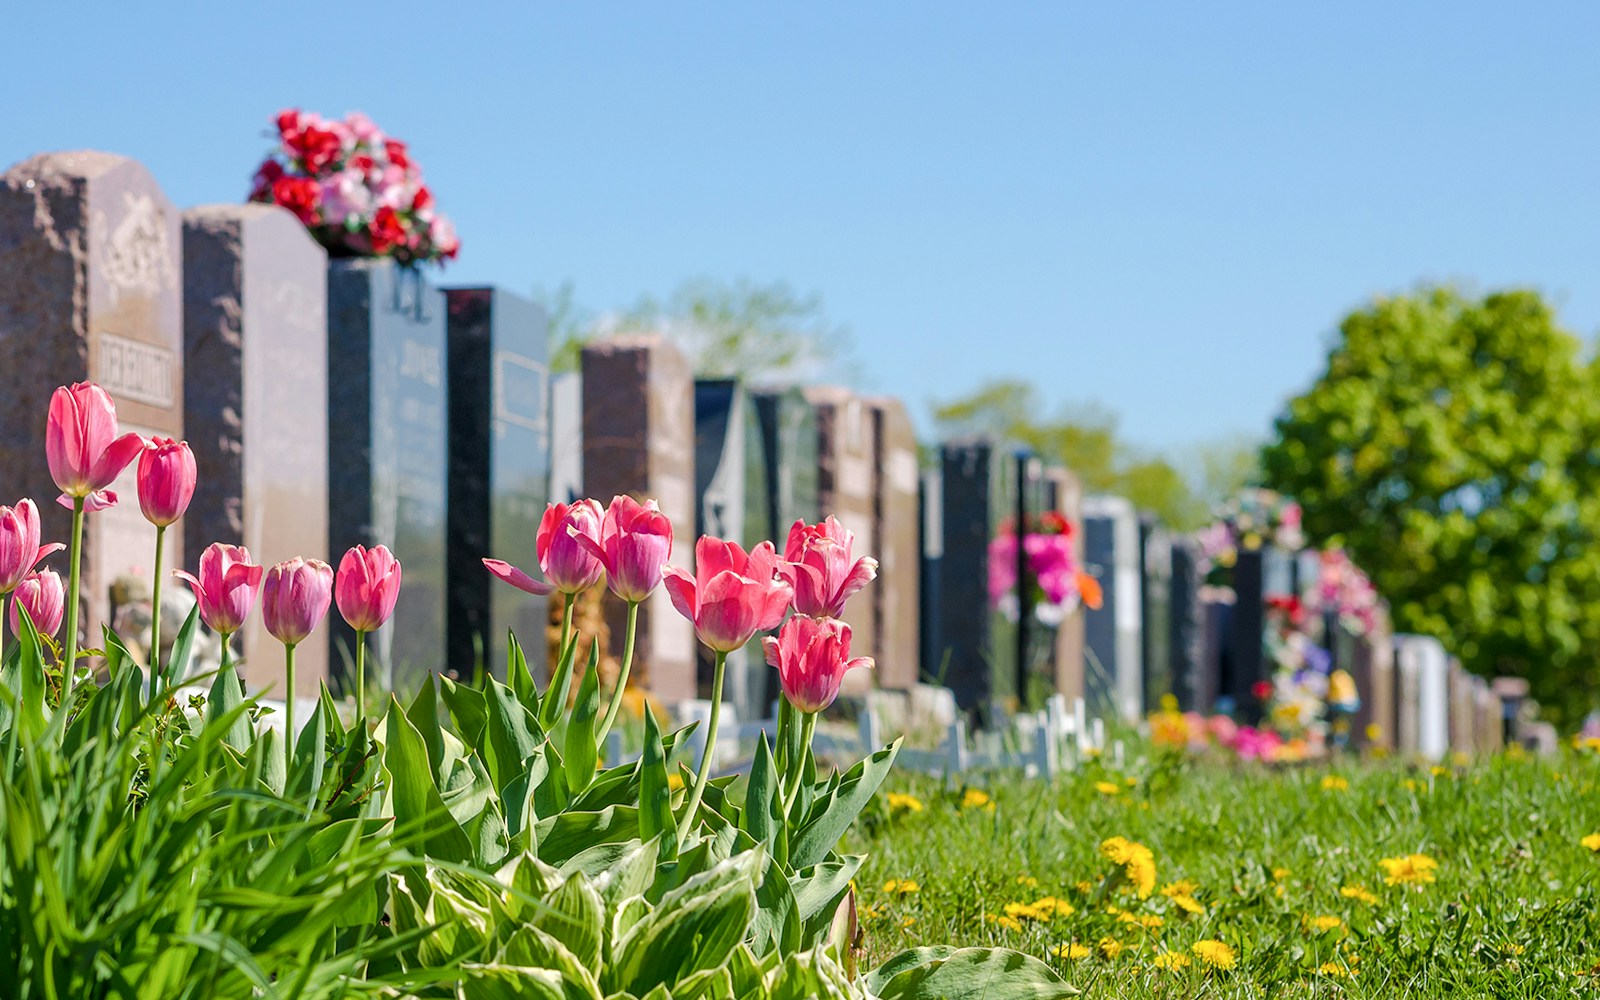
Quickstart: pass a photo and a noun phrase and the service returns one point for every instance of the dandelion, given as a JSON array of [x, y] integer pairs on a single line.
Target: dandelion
[[1138, 864], [901, 802], [1054, 907], [901, 887], [1187, 903], [1335, 783], [1149, 921], [1592, 842], [1171, 960], [1182, 887], [871, 912], [1333, 970], [1438, 771], [1323, 924], [1073, 951], [1511, 948], [1107, 788], [974, 798], [1027, 881], [907, 922], [1359, 892], [1009, 923], [1410, 869], [1026, 911], [1214, 953], [1279, 874], [1110, 947], [1084, 888]]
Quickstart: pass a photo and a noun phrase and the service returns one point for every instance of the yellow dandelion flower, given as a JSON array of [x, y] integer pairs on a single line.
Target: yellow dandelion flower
[[1182, 887], [1460, 759], [901, 802], [1414, 869], [1131, 781], [1438, 771], [1110, 947], [1360, 892], [871, 912], [1009, 923], [1592, 842], [1323, 924], [974, 798], [1410, 785], [1107, 788], [1511, 948], [1335, 783], [1073, 951], [907, 922], [1214, 953], [1279, 874], [1028, 881], [1084, 888], [1590, 743], [901, 886], [1188, 903], [1054, 907], [1148, 921], [1138, 864], [1026, 911], [1170, 960], [1333, 970]]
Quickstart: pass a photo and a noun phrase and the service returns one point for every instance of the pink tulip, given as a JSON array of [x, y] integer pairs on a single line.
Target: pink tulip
[[816, 562], [42, 595], [516, 577], [566, 562], [367, 586], [635, 541], [226, 587], [295, 597], [166, 480], [20, 550], [812, 656], [82, 447], [732, 596]]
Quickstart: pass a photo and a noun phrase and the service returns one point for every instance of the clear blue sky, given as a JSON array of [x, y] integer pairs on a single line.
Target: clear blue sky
[[1163, 208]]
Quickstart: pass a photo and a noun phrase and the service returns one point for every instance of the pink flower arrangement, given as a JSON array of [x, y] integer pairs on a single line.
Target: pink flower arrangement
[[357, 190], [1058, 584]]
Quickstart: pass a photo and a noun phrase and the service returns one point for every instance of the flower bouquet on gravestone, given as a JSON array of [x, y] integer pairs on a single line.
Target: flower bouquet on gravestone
[[1055, 584], [357, 190], [1253, 519]]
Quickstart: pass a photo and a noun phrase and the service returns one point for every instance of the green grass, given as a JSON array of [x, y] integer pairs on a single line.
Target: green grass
[[1514, 910]]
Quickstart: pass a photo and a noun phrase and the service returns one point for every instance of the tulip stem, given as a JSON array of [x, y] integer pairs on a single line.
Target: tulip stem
[[808, 728], [622, 677], [361, 667], [70, 667], [157, 672], [700, 779], [566, 625], [288, 710]]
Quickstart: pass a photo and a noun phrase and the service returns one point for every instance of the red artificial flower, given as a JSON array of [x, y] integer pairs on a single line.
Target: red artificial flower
[[288, 121], [299, 195], [316, 148], [362, 162], [422, 199], [1288, 605], [388, 230], [1262, 690], [396, 151], [266, 175], [1055, 523]]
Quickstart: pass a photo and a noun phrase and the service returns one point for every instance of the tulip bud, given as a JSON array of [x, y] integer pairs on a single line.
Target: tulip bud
[[20, 550], [42, 595], [166, 480], [226, 587], [295, 596], [366, 587], [567, 563], [82, 447], [812, 656], [732, 595]]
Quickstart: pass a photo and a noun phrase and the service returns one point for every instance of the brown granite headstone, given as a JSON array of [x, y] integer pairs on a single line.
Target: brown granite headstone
[[255, 299], [895, 541], [1491, 734], [638, 439], [1373, 670], [90, 288], [1463, 710], [1064, 493], [844, 489]]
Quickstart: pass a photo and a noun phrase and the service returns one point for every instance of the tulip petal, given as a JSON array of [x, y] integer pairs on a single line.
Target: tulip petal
[[769, 645], [681, 588], [714, 555], [593, 547], [110, 463], [45, 550], [98, 500], [516, 577]]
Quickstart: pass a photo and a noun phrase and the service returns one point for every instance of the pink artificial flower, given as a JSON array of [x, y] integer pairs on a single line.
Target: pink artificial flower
[[20, 550], [295, 597], [82, 446], [42, 595], [634, 545], [1223, 729], [1002, 567], [732, 595], [166, 480], [226, 587], [367, 586], [816, 563], [812, 656]]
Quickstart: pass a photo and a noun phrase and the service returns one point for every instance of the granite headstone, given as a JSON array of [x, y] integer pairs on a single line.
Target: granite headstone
[[90, 288], [895, 595], [1115, 668], [638, 439], [1155, 610], [975, 651], [255, 350], [1186, 625], [789, 447], [499, 404], [387, 436], [844, 489], [566, 437], [1064, 493]]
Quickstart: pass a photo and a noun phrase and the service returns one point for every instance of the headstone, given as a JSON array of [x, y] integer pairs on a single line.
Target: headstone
[[255, 295], [566, 437], [1463, 709], [1186, 625], [499, 404], [1155, 610], [730, 502], [387, 434], [1115, 648], [1372, 668], [1491, 737], [638, 439], [1512, 693], [789, 446], [1424, 710], [1216, 611], [1244, 661], [90, 288], [930, 523], [975, 651], [1064, 493], [844, 489], [895, 595]]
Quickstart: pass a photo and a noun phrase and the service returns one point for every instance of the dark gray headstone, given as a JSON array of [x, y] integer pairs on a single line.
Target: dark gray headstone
[[90, 288], [1244, 662], [1115, 683], [1155, 610], [930, 631], [387, 427], [1186, 625], [255, 350], [789, 446], [976, 643], [499, 402]]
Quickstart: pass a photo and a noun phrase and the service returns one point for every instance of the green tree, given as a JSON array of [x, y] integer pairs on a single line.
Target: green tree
[[1450, 446]]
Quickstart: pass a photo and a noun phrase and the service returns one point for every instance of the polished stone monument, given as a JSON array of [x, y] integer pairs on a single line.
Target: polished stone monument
[[499, 405], [895, 595], [1064, 493], [638, 438], [789, 450], [387, 433], [844, 489], [1113, 633], [90, 288], [1155, 610], [1186, 625], [255, 350]]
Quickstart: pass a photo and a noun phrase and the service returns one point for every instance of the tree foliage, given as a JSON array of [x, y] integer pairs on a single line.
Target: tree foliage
[[1450, 445]]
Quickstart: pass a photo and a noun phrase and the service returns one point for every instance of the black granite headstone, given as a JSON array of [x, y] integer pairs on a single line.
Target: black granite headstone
[[1155, 610], [789, 448], [1100, 626], [499, 350], [978, 642], [388, 471], [1244, 663], [1186, 625], [930, 632]]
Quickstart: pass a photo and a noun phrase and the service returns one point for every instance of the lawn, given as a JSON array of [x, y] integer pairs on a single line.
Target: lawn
[[1283, 867]]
